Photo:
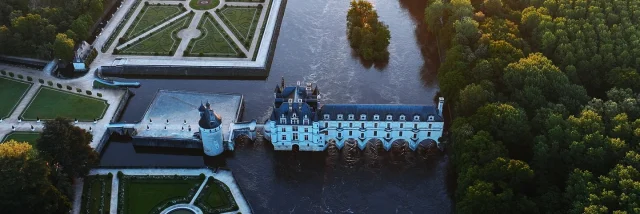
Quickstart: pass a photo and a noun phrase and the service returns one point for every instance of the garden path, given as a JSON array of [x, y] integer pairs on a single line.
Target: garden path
[[145, 34], [224, 176], [193, 26]]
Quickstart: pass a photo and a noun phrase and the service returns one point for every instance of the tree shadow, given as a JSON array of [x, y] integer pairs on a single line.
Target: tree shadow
[[380, 65]]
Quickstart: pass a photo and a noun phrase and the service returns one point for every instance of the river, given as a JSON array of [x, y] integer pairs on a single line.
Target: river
[[313, 47]]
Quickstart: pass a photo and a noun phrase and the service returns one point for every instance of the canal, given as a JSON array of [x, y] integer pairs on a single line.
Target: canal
[[313, 47]]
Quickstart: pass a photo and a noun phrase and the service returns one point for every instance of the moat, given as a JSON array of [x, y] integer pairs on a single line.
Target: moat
[[312, 47]]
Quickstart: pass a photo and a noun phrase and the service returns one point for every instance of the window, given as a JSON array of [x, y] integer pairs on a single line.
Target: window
[[299, 100], [388, 125], [361, 135], [416, 118], [350, 116], [415, 136], [375, 133], [339, 135], [402, 117], [295, 121], [363, 117], [401, 125], [375, 125], [306, 137], [339, 116], [388, 135], [306, 129], [350, 133], [430, 118], [400, 134], [339, 125], [305, 121], [350, 125], [362, 125], [284, 129], [295, 128], [326, 124], [389, 117], [428, 134], [295, 136], [284, 137], [429, 125], [326, 116], [294, 115], [376, 117], [415, 126]]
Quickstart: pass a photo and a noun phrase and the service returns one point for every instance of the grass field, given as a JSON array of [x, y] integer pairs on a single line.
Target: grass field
[[29, 137], [96, 195], [143, 195], [216, 198], [50, 103], [163, 42], [213, 41], [151, 16], [242, 21], [195, 4], [115, 33], [11, 92]]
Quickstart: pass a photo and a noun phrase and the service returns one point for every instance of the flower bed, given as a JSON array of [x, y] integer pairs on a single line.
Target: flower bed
[[216, 198], [154, 193], [96, 194]]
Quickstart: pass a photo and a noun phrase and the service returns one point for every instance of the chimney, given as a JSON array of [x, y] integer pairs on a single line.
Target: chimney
[[290, 105], [440, 105], [282, 84]]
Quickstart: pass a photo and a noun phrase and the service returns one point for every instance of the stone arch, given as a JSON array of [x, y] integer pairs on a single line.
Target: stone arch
[[426, 148], [295, 148]]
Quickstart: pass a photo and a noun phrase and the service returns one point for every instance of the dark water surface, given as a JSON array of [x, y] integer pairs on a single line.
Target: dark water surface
[[312, 47]]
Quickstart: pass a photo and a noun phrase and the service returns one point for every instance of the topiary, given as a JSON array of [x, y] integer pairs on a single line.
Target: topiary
[[29, 79], [20, 76], [11, 74], [3, 72], [49, 83], [78, 90], [99, 94], [59, 85], [69, 88], [41, 81], [88, 92]]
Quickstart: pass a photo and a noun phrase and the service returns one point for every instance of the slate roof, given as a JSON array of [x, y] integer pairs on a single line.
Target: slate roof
[[381, 109], [300, 109]]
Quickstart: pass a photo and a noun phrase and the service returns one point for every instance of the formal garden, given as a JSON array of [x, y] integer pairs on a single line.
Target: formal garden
[[213, 41], [49, 103], [11, 92], [29, 137], [96, 194], [223, 29], [155, 193]]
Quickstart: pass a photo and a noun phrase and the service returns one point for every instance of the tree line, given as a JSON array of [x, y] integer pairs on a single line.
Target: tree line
[[46, 28], [545, 95], [39, 180]]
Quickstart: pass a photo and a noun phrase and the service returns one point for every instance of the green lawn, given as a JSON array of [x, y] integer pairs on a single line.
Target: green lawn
[[29, 137], [114, 34], [216, 198], [212, 41], [151, 16], [196, 4], [11, 92], [143, 195], [242, 21], [161, 42], [50, 103], [96, 195]]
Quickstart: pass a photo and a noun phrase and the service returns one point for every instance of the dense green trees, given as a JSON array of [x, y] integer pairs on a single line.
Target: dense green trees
[[367, 35], [29, 28], [68, 147], [24, 183], [63, 47], [527, 137]]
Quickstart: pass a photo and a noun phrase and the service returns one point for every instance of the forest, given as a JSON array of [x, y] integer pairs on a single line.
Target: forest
[[545, 100], [44, 29]]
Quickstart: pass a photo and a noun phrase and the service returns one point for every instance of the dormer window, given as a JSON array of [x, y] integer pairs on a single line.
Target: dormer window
[[294, 121], [430, 118], [283, 119], [351, 116], [416, 118], [402, 117], [305, 121], [363, 117], [326, 116], [376, 117], [339, 116], [389, 117], [290, 100], [300, 100], [294, 115]]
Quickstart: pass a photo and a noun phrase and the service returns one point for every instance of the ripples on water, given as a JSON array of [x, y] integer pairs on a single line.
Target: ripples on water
[[312, 47]]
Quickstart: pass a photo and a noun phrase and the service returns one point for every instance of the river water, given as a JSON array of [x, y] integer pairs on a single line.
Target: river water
[[312, 47]]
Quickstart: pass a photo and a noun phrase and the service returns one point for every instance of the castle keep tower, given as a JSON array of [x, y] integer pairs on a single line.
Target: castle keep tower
[[211, 130]]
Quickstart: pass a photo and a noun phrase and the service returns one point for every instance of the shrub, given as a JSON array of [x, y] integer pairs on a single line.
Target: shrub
[[49, 83], [59, 85], [115, 51], [69, 88], [78, 90], [110, 175], [29, 79], [99, 94], [202, 176], [11, 74], [120, 174], [88, 92], [3, 72], [259, 6], [146, 3], [185, 53], [20, 76], [201, 54], [41, 81]]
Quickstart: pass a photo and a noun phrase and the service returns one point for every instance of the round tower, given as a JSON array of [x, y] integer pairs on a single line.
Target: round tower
[[210, 131]]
